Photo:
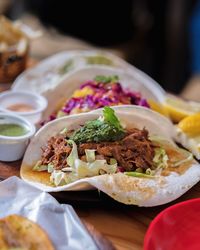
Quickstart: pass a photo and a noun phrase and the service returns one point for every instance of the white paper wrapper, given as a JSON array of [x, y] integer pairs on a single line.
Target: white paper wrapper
[[59, 220]]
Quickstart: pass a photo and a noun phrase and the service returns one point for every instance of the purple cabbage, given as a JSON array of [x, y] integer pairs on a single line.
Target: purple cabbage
[[104, 95]]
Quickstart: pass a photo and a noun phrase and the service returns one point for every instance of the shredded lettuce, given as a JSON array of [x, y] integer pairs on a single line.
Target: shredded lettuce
[[73, 155], [40, 167], [160, 158], [87, 169], [64, 131], [59, 178], [137, 174], [163, 156], [50, 168], [80, 169], [188, 159], [149, 171], [90, 155]]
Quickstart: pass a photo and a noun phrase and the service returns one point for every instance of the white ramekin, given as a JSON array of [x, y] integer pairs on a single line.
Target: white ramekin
[[38, 102], [12, 148]]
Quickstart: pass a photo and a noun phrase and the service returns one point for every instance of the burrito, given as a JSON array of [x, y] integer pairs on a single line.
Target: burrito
[[129, 155]]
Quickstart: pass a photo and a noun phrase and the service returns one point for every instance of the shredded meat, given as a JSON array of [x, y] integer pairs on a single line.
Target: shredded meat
[[56, 152], [134, 151]]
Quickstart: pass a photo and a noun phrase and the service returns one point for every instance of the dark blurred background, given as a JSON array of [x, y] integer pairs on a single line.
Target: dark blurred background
[[159, 37]]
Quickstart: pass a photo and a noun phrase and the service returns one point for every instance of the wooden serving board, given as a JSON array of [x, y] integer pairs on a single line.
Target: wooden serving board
[[8, 169]]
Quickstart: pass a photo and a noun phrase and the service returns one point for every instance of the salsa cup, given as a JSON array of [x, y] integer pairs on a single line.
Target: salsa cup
[[37, 102], [13, 147]]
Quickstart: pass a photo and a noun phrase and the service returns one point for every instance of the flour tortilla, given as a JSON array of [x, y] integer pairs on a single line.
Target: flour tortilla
[[72, 82], [125, 189], [19, 231], [44, 76]]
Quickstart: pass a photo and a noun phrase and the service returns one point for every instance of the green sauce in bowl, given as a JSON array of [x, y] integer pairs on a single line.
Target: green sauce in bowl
[[12, 129]]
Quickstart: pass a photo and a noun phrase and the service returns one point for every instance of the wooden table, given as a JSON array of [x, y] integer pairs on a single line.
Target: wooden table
[[125, 226]]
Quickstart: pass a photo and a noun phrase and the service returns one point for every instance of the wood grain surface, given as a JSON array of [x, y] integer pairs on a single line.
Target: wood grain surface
[[125, 226]]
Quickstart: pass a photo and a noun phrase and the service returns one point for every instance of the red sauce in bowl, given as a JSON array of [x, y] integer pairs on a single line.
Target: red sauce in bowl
[[20, 107]]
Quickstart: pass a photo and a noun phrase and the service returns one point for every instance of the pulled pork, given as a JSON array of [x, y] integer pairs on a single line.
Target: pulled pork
[[134, 151], [56, 152]]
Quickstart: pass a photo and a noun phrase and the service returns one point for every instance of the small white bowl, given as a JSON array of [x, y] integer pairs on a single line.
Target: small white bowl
[[38, 102], [12, 148]]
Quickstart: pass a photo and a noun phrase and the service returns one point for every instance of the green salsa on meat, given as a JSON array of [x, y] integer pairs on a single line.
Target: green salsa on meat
[[107, 129]]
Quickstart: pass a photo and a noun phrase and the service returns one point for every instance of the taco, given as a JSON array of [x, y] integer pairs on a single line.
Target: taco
[[92, 88], [50, 72], [17, 232], [128, 155]]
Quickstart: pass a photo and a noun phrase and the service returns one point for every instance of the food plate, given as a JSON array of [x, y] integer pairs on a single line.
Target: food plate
[[177, 227]]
